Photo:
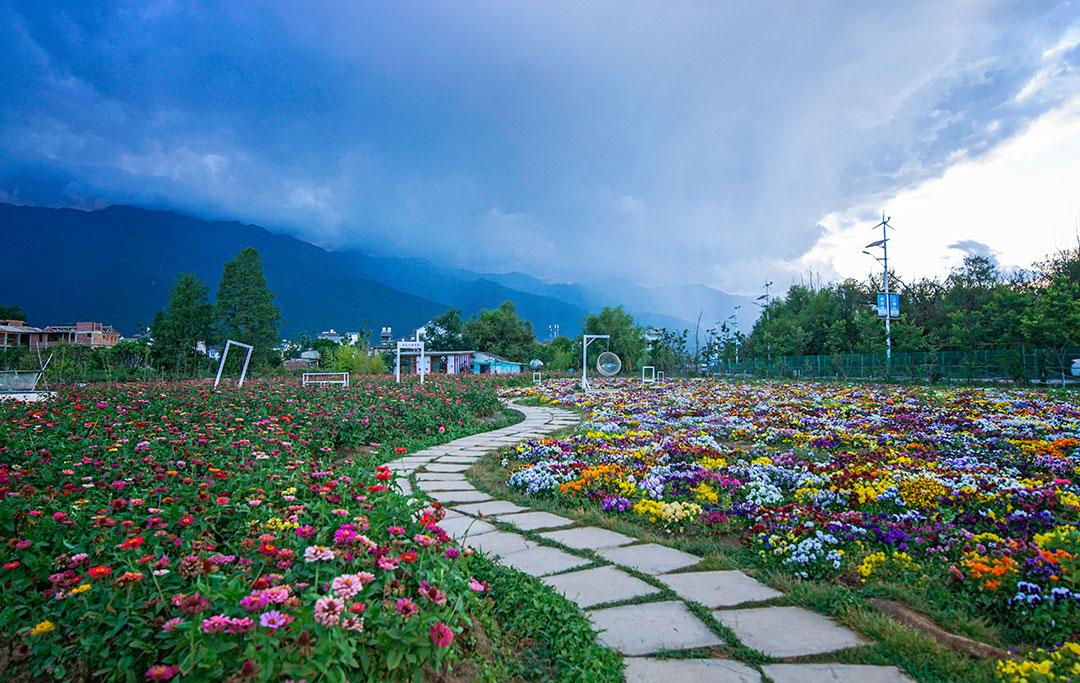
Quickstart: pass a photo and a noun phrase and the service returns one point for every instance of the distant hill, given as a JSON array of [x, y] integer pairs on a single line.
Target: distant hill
[[116, 265]]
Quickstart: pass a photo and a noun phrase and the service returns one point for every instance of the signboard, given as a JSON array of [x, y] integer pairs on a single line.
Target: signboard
[[894, 305], [410, 345]]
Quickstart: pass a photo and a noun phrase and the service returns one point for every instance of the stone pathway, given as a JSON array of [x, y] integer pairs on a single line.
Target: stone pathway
[[596, 568]]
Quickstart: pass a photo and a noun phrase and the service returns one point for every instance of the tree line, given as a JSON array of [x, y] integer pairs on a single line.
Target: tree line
[[977, 306]]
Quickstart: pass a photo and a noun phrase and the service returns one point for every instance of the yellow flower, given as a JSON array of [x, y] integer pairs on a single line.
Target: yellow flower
[[42, 628], [80, 589]]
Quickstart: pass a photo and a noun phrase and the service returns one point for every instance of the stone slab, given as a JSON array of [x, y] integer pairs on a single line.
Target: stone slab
[[651, 627], [649, 670], [464, 526], [446, 485], [490, 508], [787, 631], [834, 673], [450, 497], [719, 588], [588, 538], [542, 560], [500, 543], [527, 521], [457, 459], [650, 558], [436, 467], [440, 476], [596, 586]]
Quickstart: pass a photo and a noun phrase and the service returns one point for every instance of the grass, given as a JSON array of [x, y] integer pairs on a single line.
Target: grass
[[895, 644]]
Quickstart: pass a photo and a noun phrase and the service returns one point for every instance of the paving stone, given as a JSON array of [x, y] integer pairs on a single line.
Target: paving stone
[[464, 526], [787, 631], [436, 467], [588, 538], [457, 459], [596, 586], [490, 508], [648, 670], [451, 497], [500, 543], [449, 485], [834, 673], [542, 560], [718, 589], [650, 558], [651, 627], [527, 521], [440, 476], [405, 486]]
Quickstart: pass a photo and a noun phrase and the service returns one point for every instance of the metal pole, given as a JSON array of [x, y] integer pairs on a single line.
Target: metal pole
[[888, 301]]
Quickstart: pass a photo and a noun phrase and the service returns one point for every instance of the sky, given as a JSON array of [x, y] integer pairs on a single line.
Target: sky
[[723, 143]]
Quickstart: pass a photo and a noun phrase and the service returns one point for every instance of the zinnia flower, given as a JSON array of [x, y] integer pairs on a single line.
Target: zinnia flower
[[274, 620], [441, 635], [162, 672]]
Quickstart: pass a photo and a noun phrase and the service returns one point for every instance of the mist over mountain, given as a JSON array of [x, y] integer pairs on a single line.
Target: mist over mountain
[[117, 264]]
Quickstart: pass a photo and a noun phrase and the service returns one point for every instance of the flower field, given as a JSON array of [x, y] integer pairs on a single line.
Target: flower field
[[167, 531], [969, 498]]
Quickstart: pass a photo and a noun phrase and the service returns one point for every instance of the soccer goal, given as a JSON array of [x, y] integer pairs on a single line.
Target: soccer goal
[[320, 378], [229, 343], [648, 374]]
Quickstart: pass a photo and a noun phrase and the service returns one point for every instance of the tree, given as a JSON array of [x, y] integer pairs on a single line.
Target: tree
[[502, 332], [446, 332], [186, 320], [355, 360], [1052, 321], [627, 338], [245, 306], [12, 313]]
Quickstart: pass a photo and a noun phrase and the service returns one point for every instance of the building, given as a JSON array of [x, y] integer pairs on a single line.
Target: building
[[437, 362], [490, 364], [17, 334]]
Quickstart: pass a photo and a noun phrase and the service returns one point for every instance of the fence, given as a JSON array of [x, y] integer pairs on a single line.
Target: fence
[[987, 365]]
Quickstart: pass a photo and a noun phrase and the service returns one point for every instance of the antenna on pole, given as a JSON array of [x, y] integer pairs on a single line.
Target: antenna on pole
[[884, 244]]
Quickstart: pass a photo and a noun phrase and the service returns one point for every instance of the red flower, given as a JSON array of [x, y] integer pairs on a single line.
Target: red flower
[[268, 549], [131, 543], [186, 520], [14, 564], [99, 571], [441, 635], [162, 672]]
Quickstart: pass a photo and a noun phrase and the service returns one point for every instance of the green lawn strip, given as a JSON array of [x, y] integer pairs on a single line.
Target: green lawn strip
[[897, 644], [546, 637]]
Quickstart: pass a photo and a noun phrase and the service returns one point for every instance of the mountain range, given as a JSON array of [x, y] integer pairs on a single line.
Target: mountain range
[[116, 265]]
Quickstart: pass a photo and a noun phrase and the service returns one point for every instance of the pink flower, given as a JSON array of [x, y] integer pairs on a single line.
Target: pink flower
[[172, 624], [352, 624], [406, 607], [215, 624], [478, 586], [328, 610], [441, 635], [274, 620], [162, 672], [432, 593], [318, 553], [306, 531], [395, 530], [276, 595], [387, 563], [452, 552], [240, 625], [347, 585]]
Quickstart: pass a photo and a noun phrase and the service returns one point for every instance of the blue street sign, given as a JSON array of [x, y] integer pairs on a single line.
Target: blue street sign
[[894, 305]]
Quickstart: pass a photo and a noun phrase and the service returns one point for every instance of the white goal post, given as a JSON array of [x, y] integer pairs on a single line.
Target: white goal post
[[321, 378], [650, 376], [225, 354]]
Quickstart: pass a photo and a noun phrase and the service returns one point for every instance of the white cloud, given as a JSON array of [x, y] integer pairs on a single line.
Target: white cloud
[[1021, 201]]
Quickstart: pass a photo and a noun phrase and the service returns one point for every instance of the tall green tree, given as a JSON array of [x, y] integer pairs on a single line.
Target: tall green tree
[[245, 306], [501, 331], [1052, 321], [627, 337], [186, 320], [446, 332], [12, 313]]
